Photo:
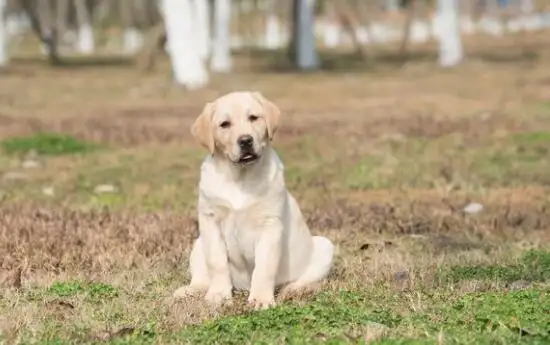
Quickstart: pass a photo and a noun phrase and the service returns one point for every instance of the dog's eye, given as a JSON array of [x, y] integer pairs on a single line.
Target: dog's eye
[[252, 118], [225, 124]]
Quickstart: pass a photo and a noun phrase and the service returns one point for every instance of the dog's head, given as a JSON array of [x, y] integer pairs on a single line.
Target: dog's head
[[237, 126]]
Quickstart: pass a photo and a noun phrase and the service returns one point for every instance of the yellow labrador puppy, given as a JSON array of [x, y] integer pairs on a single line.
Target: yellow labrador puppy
[[252, 232]]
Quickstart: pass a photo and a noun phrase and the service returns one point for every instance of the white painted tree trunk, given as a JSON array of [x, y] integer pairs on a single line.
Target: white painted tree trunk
[[3, 35], [188, 67], [221, 49], [450, 43], [132, 40], [201, 17], [306, 49], [531, 21], [273, 35], [420, 32], [332, 34], [85, 41]]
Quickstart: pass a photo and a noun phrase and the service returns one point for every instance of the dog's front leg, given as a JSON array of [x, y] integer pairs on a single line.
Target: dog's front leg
[[267, 259], [215, 252]]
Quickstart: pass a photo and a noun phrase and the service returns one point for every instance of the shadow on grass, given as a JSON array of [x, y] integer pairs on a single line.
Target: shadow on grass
[[268, 61], [279, 61], [76, 62]]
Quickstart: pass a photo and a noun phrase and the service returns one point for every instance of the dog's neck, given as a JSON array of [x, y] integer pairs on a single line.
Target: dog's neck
[[226, 184]]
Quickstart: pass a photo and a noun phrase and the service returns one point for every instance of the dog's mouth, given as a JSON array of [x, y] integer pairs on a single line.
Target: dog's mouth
[[248, 158]]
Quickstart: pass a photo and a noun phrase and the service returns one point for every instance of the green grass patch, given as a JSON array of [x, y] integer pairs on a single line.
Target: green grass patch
[[534, 265], [47, 144], [342, 317], [66, 289], [328, 316], [505, 316], [538, 137], [94, 291]]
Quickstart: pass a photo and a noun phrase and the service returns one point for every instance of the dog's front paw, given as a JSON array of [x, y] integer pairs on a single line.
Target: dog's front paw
[[218, 295], [261, 300], [188, 291]]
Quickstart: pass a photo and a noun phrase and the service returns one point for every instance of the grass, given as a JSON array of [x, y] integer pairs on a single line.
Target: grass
[[382, 162], [533, 266], [341, 316], [46, 144]]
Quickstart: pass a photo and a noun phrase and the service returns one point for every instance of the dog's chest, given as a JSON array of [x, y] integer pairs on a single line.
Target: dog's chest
[[241, 233]]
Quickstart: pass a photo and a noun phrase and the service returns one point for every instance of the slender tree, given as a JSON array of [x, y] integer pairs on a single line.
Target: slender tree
[[221, 50], [306, 50], [273, 39], [450, 43], [132, 39], [3, 34], [188, 68], [201, 19], [85, 42]]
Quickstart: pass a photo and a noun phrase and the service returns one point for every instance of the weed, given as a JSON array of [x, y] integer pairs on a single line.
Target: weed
[[101, 291], [95, 291], [66, 289]]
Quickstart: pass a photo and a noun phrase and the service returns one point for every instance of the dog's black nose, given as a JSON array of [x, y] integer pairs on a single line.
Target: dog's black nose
[[245, 141]]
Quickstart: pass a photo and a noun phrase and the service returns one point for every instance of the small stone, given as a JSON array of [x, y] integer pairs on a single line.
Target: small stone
[[104, 188], [520, 285], [49, 191], [30, 164], [473, 208]]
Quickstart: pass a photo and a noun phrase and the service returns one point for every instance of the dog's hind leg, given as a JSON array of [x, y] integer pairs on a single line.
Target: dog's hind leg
[[199, 273], [319, 266]]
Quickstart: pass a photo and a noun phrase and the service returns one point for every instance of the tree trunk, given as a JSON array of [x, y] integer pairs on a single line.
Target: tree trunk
[[48, 32], [306, 50], [405, 40], [155, 40], [450, 43], [188, 67], [350, 23], [292, 42], [132, 40], [85, 42], [62, 18], [3, 34], [201, 18], [332, 31], [221, 50], [273, 37]]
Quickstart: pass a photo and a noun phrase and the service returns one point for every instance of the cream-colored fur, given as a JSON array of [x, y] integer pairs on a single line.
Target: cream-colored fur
[[252, 232]]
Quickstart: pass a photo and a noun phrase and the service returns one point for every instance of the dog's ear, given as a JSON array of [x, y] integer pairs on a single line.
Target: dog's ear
[[202, 127], [272, 114]]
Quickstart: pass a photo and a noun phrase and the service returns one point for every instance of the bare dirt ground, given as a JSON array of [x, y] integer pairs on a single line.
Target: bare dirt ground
[[382, 159]]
